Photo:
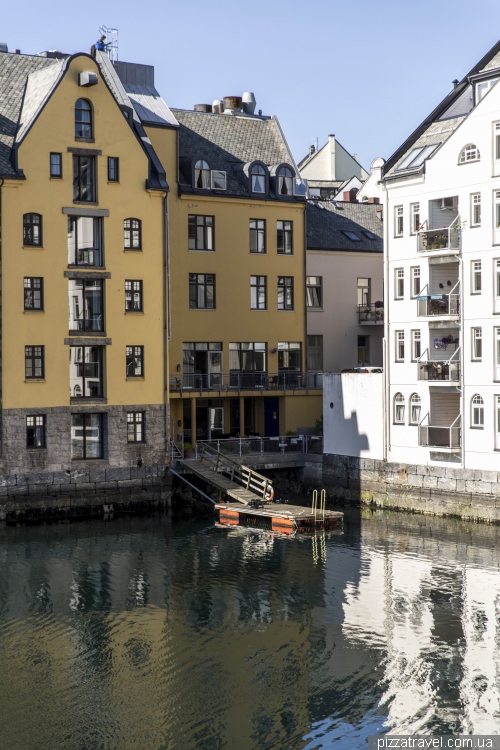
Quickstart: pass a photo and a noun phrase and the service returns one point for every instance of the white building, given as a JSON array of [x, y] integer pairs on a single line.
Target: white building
[[442, 281], [331, 170]]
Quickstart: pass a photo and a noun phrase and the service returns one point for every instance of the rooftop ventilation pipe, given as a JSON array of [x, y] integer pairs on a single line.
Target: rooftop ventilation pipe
[[248, 102]]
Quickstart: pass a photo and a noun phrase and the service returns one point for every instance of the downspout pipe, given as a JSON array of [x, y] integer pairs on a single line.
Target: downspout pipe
[[2, 180], [166, 319], [386, 343]]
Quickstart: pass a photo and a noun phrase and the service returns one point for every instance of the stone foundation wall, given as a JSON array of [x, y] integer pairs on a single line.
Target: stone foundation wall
[[470, 494]]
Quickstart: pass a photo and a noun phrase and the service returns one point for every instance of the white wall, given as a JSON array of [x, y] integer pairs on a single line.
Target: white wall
[[353, 426]]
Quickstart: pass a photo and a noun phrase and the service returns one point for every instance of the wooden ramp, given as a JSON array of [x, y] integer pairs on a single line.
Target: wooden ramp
[[219, 481]]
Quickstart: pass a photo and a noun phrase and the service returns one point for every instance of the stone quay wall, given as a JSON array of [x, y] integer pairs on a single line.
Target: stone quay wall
[[470, 494]]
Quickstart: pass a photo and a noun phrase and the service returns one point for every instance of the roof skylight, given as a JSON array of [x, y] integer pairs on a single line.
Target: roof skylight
[[352, 236], [417, 156]]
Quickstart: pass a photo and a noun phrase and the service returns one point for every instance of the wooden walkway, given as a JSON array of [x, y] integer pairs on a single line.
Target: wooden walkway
[[220, 482], [285, 518]]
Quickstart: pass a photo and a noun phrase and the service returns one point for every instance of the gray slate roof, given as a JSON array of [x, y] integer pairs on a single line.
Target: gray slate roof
[[14, 72], [226, 141], [326, 224]]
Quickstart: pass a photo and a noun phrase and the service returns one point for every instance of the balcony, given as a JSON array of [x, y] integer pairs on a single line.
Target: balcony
[[372, 314], [442, 437], [443, 371], [446, 238], [233, 382], [438, 305]]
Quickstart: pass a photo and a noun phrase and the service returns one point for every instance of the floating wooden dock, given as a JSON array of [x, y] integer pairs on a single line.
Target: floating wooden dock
[[284, 518]]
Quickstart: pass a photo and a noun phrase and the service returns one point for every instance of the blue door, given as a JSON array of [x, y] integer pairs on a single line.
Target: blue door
[[272, 417]]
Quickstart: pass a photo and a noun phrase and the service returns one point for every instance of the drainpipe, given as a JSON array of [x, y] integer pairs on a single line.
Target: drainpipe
[[1, 307], [166, 318], [386, 344], [461, 344], [304, 364]]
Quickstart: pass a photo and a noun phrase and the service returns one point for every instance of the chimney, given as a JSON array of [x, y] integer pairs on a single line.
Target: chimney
[[373, 200], [331, 143], [455, 83], [350, 196], [312, 149], [16, 51], [202, 108]]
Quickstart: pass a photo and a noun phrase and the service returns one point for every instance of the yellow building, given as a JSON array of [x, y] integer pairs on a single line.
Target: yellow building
[[237, 269], [83, 265]]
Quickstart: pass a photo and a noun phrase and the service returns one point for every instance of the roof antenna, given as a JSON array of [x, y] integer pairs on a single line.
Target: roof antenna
[[110, 42]]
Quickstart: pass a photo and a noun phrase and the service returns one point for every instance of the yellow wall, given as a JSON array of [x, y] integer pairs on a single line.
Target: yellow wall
[[300, 411], [54, 131]]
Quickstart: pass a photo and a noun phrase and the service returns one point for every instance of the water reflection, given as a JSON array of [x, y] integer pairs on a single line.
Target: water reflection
[[137, 633]]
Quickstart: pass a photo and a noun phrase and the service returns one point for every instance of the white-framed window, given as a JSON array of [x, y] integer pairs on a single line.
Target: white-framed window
[[415, 408], [496, 290], [399, 283], [470, 152], [496, 148], [416, 346], [400, 346], [475, 268], [477, 343], [415, 281], [399, 409], [414, 217], [477, 412], [398, 221], [497, 354], [475, 209], [496, 217], [482, 88]]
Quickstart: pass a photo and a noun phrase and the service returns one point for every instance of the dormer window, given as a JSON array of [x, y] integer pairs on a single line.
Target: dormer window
[[469, 153], [83, 119], [483, 87], [285, 181], [258, 179], [201, 175]]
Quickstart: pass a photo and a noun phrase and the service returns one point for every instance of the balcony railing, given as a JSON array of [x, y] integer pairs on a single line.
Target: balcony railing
[[260, 446], [436, 436], [438, 304], [447, 238], [246, 381], [372, 314], [439, 371]]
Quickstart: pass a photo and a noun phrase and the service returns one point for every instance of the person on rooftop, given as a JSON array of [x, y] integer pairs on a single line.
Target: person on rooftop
[[100, 43]]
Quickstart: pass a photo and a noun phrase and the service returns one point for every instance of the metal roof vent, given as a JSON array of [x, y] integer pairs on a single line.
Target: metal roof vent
[[217, 106], [249, 103], [3, 47], [202, 107], [232, 105]]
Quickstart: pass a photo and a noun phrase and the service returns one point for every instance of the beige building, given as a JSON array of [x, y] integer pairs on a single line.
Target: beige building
[[344, 285]]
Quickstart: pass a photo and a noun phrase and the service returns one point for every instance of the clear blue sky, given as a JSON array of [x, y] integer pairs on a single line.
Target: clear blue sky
[[367, 71]]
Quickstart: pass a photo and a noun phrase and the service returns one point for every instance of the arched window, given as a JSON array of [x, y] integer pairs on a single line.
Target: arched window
[[201, 175], [477, 411], [285, 181], [470, 152], [132, 239], [32, 230], [415, 408], [399, 409], [258, 179], [83, 119]]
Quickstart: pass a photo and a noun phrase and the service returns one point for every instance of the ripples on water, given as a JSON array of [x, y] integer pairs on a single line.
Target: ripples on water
[[137, 633]]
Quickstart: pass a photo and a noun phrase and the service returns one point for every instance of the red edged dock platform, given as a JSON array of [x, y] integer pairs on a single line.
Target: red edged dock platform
[[285, 518]]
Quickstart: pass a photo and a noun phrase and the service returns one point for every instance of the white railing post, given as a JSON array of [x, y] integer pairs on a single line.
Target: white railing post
[[239, 440], [261, 446]]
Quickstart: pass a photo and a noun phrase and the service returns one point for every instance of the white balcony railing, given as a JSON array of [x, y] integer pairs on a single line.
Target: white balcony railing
[[440, 371], [438, 436], [446, 238], [439, 305]]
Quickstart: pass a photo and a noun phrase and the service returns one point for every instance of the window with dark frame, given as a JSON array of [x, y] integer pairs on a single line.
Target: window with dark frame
[[35, 431], [201, 232], [87, 436], [202, 291], [289, 356], [86, 308], [314, 292], [135, 427], [32, 230], [258, 292], [113, 173], [85, 241], [34, 365], [83, 119], [132, 234], [257, 236], [258, 179], [315, 353], [133, 296], [135, 361], [285, 237], [56, 165], [285, 292], [285, 181], [201, 175], [33, 293], [86, 378], [84, 181]]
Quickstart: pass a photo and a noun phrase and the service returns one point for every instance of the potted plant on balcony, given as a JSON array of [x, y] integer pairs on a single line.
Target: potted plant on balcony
[[379, 309], [188, 450]]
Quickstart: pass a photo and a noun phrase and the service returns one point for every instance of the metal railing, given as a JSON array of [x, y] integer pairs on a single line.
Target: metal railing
[[429, 305], [436, 436], [440, 370], [372, 313], [236, 472], [246, 381], [446, 238], [258, 446]]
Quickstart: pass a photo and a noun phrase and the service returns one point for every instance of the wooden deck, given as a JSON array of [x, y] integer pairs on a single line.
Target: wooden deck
[[233, 490], [285, 518]]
